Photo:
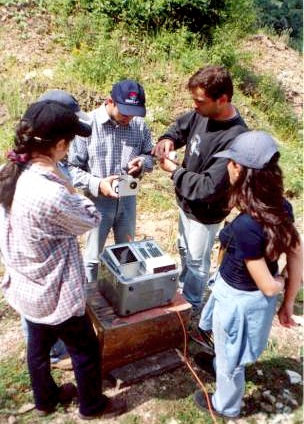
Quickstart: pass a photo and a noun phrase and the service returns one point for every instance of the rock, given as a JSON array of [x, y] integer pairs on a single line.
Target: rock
[[266, 407], [12, 419], [260, 373], [26, 408], [49, 73], [279, 405], [287, 410], [297, 318], [294, 377], [269, 397], [30, 75], [286, 393], [293, 402]]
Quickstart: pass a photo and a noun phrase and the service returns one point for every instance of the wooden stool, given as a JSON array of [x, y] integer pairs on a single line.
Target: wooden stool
[[125, 340]]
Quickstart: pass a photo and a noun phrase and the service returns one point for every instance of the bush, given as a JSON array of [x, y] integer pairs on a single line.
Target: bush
[[282, 15], [197, 16]]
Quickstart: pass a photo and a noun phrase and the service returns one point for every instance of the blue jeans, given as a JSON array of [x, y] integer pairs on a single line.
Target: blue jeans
[[58, 350], [116, 214], [195, 243], [83, 347], [241, 323]]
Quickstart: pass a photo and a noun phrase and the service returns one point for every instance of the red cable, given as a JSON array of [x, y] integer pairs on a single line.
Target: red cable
[[185, 359]]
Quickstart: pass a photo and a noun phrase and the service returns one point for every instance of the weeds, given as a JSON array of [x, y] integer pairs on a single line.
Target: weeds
[[14, 383]]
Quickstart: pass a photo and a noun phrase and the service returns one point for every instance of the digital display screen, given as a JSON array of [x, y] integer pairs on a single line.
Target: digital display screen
[[124, 255]]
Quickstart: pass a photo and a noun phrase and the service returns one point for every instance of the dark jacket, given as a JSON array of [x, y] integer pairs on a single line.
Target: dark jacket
[[202, 182]]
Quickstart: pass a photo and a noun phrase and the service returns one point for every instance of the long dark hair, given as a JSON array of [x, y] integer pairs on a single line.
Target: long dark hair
[[25, 143], [259, 192]]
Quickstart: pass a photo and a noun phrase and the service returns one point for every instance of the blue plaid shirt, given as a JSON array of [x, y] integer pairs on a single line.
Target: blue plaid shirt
[[108, 150], [44, 273]]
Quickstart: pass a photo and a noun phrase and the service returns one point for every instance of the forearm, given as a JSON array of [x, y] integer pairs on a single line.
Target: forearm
[[269, 285], [294, 269], [84, 180]]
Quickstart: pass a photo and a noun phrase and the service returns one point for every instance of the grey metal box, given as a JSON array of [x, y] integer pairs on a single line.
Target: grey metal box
[[132, 287]]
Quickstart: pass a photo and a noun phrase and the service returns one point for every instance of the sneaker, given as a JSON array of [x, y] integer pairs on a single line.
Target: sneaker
[[205, 361], [56, 359], [203, 338], [112, 408], [201, 402]]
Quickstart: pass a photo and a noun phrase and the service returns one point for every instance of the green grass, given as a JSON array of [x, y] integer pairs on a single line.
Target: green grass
[[14, 384]]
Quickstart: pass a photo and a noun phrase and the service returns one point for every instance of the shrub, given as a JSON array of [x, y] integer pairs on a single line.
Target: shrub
[[282, 15]]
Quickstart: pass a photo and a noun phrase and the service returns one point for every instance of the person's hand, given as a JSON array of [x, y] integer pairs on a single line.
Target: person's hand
[[135, 166], [285, 315], [162, 148], [167, 165], [105, 186]]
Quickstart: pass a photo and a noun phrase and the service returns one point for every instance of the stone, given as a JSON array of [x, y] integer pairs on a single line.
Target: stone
[[266, 407], [26, 408], [268, 396], [294, 377]]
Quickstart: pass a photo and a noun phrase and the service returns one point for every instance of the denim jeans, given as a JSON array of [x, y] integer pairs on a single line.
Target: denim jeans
[[241, 323], [116, 214], [195, 243], [83, 347], [58, 350]]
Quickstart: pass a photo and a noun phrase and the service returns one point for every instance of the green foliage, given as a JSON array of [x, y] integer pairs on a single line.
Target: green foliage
[[272, 113], [14, 383], [197, 15], [282, 15]]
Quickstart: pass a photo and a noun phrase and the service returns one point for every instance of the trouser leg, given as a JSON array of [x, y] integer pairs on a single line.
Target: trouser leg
[[40, 340], [196, 242], [96, 237], [230, 386], [83, 346], [125, 220]]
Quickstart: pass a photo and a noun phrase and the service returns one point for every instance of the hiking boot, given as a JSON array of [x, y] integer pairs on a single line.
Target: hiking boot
[[113, 408], [202, 404], [205, 361]]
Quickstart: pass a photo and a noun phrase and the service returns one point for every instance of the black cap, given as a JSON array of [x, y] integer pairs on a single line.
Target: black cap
[[65, 98], [52, 120], [130, 98]]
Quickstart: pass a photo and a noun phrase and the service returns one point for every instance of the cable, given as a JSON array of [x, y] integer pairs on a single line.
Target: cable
[[185, 359]]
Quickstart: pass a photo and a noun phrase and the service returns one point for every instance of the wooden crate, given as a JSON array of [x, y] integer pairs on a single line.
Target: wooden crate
[[124, 340]]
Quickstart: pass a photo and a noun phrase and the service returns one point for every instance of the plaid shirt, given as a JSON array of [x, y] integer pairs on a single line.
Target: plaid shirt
[[108, 150], [44, 273]]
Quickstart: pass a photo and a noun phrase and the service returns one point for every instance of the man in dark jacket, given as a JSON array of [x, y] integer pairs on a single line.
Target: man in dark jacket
[[201, 182]]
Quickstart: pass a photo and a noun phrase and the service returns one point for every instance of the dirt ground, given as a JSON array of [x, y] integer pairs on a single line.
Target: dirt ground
[[35, 51]]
